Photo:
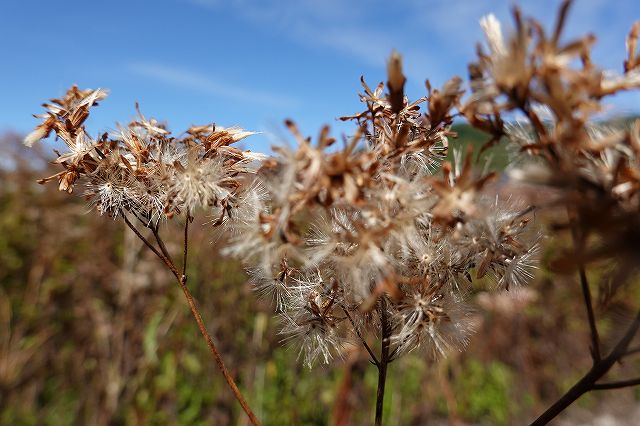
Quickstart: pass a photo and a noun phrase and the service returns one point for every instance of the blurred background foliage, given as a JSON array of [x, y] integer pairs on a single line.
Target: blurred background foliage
[[93, 330]]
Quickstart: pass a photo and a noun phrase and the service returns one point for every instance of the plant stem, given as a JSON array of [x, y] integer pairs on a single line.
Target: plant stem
[[586, 293], [617, 385], [588, 381], [601, 366], [384, 359], [163, 254], [632, 351], [162, 257], [578, 241], [216, 355], [185, 251], [374, 360]]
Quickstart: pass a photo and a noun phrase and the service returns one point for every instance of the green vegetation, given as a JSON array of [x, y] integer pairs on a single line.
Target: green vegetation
[[93, 331]]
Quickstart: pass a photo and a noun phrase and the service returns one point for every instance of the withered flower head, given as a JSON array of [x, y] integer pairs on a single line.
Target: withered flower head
[[142, 169], [378, 227], [591, 165]]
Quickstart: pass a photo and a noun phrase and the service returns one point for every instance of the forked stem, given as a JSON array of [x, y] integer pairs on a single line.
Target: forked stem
[[374, 360], [601, 366], [588, 381], [163, 254]]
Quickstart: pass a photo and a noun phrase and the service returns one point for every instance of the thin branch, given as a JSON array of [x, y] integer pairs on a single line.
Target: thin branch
[[182, 281], [156, 233], [145, 221], [617, 385], [216, 355], [586, 293], [185, 252], [540, 131], [623, 344], [588, 381], [578, 242], [164, 259], [632, 351], [364, 342], [384, 359], [562, 16]]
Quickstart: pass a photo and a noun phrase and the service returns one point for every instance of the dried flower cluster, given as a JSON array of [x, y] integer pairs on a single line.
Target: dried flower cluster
[[592, 166], [344, 238], [338, 237], [380, 236], [557, 93], [141, 169]]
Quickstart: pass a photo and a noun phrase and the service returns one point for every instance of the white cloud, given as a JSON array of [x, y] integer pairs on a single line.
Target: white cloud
[[199, 82]]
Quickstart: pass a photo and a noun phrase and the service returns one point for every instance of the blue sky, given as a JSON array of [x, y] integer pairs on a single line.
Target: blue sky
[[254, 63]]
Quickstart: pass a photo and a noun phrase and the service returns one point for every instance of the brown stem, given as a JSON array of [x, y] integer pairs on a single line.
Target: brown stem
[[586, 293], [163, 254], [617, 385], [185, 251], [384, 359], [632, 351], [588, 381], [162, 257], [562, 16], [578, 241], [156, 233], [344, 401], [216, 354], [364, 342], [538, 127]]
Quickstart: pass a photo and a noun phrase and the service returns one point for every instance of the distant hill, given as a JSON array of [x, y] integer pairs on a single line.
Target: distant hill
[[498, 155]]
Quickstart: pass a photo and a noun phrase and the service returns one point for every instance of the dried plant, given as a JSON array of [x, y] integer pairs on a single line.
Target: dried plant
[[143, 173], [375, 242], [594, 168], [370, 240], [367, 240]]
